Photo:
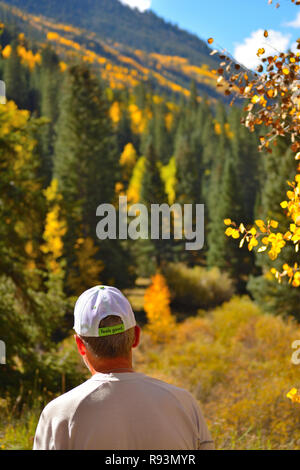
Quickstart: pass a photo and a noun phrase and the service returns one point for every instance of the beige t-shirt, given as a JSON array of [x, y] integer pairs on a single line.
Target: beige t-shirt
[[120, 411]]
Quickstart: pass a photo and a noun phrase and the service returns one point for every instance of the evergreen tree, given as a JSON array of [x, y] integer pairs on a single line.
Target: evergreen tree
[[161, 135], [193, 101], [188, 190], [87, 167], [16, 78], [124, 132], [153, 192], [49, 99], [222, 251]]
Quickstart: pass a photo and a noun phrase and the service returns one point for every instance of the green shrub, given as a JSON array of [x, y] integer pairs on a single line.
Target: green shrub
[[197, 287]]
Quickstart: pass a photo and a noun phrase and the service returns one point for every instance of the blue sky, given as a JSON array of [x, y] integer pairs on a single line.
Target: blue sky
[[236, 25]]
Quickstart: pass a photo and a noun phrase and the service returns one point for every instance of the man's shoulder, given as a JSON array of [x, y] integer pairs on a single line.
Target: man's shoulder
[[168, 387], [68, 402]]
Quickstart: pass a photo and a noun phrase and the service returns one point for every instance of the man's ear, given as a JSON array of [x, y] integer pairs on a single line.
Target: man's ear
[[80, 345], [137, 331]]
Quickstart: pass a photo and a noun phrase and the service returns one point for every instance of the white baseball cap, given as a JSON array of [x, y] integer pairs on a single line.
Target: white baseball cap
[[97, 303]]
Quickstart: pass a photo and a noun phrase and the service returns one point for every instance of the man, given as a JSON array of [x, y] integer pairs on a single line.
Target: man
[[118, 408]]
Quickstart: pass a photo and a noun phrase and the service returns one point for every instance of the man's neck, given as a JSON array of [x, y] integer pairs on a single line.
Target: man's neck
[[117, 365]]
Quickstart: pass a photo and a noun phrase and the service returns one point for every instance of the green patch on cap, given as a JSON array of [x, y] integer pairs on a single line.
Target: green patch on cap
[[111, 330]]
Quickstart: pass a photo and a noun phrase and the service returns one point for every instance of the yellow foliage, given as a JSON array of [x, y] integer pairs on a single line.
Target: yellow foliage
[[115, 112], [218, 129], [161, 324], [237, 361], [55, 228], [62, 66], [128, 160], [168, 174], [6, 51], [88, 268], [169, 121], [139, 118], [135, 184], [275, 242], [28, 57]]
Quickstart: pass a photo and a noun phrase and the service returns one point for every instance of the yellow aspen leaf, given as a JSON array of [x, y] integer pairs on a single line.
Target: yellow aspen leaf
[[255, 99], [242, 228], [235, 234], [293, 394], [253, 242], [6, 51], [229, 231], [260, 51]]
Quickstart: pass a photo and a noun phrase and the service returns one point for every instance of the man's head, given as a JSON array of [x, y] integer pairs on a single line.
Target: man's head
[[106, 328]]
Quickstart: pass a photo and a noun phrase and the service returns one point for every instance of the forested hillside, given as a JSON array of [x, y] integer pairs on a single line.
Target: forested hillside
[[95, 113], [138, 30], [167, 57]]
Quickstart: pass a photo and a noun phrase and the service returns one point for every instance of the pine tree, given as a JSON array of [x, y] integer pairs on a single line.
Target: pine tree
[[161, 135], [49, 99], [153, 192], [124, 132], [87, 168], [16, 78], [222, 251], [188, 189], [193, 101]]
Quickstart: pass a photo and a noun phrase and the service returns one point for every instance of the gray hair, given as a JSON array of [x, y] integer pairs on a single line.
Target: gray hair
[[118, 345]]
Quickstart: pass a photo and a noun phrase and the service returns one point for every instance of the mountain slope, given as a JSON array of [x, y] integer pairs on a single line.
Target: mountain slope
[[127, 46], [110, 19]]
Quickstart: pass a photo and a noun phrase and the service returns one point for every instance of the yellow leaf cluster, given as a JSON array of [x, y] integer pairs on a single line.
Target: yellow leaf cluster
[[135, 184], [168, 175], [276, 241], [28, 57], [6, 51], [161, 323], [55, 228], [128, 160], [294, 395], [115, 112], [88, 268]]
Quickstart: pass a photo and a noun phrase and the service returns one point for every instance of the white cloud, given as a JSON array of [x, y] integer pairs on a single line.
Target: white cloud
[[245, 53], [293, 47], [295, 23], [142, 5]]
